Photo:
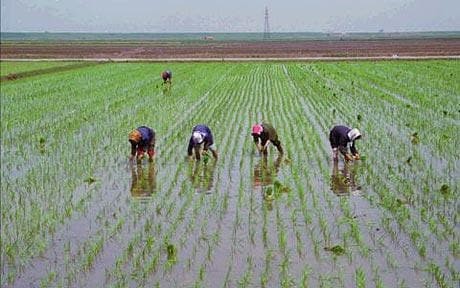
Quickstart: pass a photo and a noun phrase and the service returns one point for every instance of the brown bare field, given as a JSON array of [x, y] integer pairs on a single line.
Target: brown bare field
[[231, 49]]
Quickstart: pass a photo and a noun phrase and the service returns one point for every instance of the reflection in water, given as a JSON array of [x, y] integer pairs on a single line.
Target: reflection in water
[[343, 180], [264, 177], [202, 175], [264, 174], [167, 90], [143, 182]]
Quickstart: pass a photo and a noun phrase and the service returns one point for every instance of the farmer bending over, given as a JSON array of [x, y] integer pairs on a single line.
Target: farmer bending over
[[167, 76], [200, 141], [263, 134], [141, 139], [339, 138]]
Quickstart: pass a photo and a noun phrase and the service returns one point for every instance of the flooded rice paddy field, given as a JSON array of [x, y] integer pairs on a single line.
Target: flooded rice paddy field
[[75, 213]]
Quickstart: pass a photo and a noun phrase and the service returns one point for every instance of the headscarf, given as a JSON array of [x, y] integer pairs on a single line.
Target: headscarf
[[353, 134], [257, 129], [135, 136], [197, 137]]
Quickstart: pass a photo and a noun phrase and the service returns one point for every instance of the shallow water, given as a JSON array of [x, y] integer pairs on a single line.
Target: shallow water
[[243, 220]]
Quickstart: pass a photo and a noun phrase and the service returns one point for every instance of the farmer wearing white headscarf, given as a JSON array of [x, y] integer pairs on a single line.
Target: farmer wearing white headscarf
[[201, 141], [339, 137]]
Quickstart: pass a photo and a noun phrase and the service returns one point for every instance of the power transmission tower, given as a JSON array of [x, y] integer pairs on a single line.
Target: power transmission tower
[[267, 25]]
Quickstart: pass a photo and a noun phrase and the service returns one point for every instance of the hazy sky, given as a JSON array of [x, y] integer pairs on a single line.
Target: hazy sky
[[229, 15]]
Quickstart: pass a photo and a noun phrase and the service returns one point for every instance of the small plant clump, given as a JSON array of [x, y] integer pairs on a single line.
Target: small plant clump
[[414, 138], [336, 249]]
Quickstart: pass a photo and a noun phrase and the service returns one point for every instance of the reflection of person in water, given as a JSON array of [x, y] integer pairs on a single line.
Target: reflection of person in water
[[343, 180], [202, 175], [264, 174], [143, 184]]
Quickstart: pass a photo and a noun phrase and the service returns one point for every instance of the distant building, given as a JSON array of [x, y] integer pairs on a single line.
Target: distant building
[[207, 37]]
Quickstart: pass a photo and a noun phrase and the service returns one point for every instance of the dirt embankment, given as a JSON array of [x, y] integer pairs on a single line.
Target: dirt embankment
[[239, 49], [15, 76]]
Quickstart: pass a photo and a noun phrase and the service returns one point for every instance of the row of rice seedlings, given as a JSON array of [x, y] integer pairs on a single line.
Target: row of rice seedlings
[[287, 108], [241, 195], [421, 248], [235, 112], [162, 210], [317, 150], [312, 145], [169, 209], [233, 162], [407, 119], [353, 226], [50, 173], [274, 94], [181, 217], [357, 235], [83, 257], [297, 184], [409, 196]]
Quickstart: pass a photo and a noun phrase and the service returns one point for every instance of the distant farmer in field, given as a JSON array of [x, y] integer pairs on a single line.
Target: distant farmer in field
[[200, 142], [142, 139], [263, 134], [167, 76], [339, 138]]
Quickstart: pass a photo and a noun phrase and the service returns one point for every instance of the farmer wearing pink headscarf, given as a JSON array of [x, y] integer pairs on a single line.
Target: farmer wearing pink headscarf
[[263, 134]]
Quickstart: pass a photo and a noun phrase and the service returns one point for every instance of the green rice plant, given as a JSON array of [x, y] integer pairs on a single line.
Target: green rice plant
[[438, 275], [71, 117], [360, 278]]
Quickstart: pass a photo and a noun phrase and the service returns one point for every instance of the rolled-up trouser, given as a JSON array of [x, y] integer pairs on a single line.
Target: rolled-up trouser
[[141, 151], [335, 153]]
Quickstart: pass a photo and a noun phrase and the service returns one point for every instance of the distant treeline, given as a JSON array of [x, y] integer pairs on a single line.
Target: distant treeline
[[274, 36]]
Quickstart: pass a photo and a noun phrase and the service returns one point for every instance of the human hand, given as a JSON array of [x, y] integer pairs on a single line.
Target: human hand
[[356, 156], [348, 157]]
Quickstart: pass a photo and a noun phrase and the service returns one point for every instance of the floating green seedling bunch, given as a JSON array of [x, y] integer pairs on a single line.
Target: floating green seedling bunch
[[337, 250]]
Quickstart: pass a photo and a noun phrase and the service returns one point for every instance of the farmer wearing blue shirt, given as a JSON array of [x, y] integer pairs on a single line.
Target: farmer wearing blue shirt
[[201, 141], [142, 139], [339, 137]]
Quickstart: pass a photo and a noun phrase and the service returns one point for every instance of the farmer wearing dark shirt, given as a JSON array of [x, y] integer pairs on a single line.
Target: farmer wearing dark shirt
[[167, 76], [141, 139], [339, 138], [200, 141], [263, 134]]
